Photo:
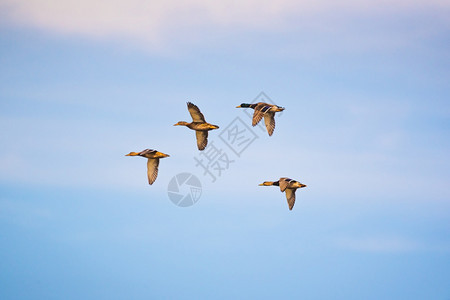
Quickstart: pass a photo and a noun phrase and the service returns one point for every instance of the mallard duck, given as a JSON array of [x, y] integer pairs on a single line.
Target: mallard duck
[[152, 162], [263, 110], [286, 185], [198, 124]]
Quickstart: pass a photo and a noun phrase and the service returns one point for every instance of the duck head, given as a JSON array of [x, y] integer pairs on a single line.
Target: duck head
[[245, 105], [132, 154], [181, 123], [267, 183]]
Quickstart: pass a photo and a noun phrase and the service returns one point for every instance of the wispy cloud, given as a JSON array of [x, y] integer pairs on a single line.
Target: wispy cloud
[[157, 24]]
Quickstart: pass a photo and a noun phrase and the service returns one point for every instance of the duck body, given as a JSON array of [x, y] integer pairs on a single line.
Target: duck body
[[148, 153], [198, 124], [153, 157], [287, 185], [265, 110]]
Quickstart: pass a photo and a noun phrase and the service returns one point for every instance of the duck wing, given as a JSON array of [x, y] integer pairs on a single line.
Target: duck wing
[[290, 196], [269, 120], [152, 169], [147, 152], [202, 139], [284, 183], [260, 110], [195, 112]]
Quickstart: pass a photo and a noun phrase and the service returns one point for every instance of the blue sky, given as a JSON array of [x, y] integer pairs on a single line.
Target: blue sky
[[366, 127]]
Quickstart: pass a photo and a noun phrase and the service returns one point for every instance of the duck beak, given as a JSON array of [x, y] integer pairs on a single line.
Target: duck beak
[[131, 154], [238, 106], [280, 109], [261, 184]]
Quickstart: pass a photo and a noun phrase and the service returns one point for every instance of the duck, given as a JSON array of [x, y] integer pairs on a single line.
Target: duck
[[265, 110], [198, 124], [153, 157], [286, 185]]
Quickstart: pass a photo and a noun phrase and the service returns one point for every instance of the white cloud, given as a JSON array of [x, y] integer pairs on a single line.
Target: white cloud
[[157, 24]]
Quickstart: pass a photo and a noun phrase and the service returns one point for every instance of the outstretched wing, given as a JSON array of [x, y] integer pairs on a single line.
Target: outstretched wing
[[260, 110], [269, 120], [147, 151], [284, 182], [290, 196], [152, 169], [195, 112], [202, 139]]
